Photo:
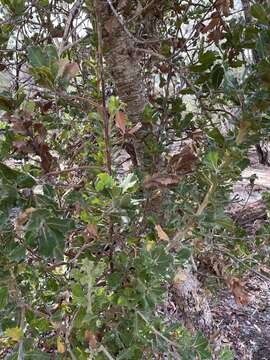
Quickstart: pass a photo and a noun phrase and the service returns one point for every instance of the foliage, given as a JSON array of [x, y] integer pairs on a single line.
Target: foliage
[[85, 262]]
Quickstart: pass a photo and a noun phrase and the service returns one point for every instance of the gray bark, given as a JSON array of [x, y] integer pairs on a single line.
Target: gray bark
[[124, 68], [192, 302]]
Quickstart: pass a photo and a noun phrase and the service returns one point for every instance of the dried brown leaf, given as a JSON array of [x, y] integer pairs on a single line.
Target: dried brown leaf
[[120, 121], [70, 70], [184, 162], [214, 22], [215, 35], [90, 231], [23, 217], [135, 128], [90, 337], [60, 346], [46, 157], [161, 233], [237, 288], [158, 180]]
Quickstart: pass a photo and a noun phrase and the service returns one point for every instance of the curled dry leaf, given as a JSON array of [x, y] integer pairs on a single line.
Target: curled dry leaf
[[185, 161], [158, 180], [22, 219], [135, 128], [120, 121], [161, 233], [68, 70], [237, 288], [90, 232], [90, 337]]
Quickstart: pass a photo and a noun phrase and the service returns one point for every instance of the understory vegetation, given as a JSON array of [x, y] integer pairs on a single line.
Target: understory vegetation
[[123, 127]]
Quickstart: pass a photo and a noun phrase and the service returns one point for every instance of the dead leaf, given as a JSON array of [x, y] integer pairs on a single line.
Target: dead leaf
[[185, 161], [122, 4], [243, 129], [224, 6], [46, 157], [23, 217], [135, 128], [120, 121], [90, 337], [214, 22], [215, 35], [158, 180], [161, 233], [91, 232], [60, 345], [238, 290], [40, 133], [70, 70]]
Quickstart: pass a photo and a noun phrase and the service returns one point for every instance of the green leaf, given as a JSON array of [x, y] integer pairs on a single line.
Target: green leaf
[[3, 297], [114, 105], [186, 121], [217, 136], [201, 345], [226, 354], [105, 182], [217, 75], [11, 176], [37, 355], [207, 58], [47, 233], [129, 181], [183, 255], [8, 175], [36, 56], [16, 7], [6, 103], [212, 157], [258, 11], [14, 333]]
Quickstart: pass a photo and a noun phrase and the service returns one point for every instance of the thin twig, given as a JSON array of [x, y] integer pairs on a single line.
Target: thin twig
[[106, 125], [105, 352], [104, 111], [20, 351], [170, 342], [73, 12], [72, 169], [260, 275]]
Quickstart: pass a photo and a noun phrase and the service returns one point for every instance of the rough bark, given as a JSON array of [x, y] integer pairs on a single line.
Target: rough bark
[[192, 302], [124, 68], [250, 216]]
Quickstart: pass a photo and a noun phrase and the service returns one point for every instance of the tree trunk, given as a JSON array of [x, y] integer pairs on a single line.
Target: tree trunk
[[192, 302], [124, 68]]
